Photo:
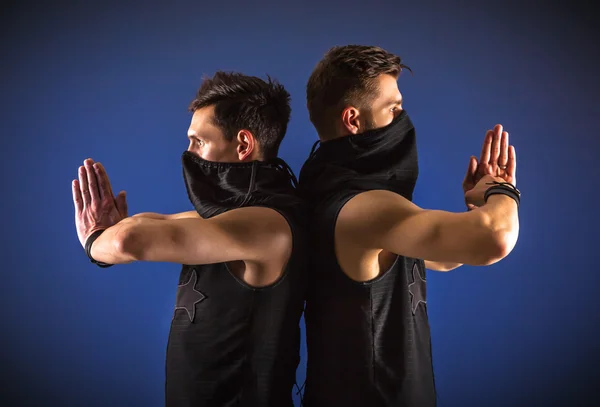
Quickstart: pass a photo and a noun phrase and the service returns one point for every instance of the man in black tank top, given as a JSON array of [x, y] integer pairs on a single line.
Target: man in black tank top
[[368, 337], [235, 336]]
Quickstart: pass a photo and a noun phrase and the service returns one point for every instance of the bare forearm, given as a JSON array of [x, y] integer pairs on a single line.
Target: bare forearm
[[478, 238], [108, 246], [135, 238]]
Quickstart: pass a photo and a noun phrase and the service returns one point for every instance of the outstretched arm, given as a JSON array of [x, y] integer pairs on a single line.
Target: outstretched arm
[[498, 160], [381, 220], [248, 234]]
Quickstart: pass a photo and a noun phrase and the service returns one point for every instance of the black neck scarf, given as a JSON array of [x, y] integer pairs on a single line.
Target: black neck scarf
[[215, 187], [384, 158]]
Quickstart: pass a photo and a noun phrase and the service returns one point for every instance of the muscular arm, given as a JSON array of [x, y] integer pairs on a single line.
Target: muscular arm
[[248, 234], [381, 220]]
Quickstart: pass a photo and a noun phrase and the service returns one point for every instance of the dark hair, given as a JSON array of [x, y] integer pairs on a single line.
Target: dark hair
[[346, 77], [247, 103]]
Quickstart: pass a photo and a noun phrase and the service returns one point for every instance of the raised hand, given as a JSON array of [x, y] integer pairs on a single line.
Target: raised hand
[[121, 198], [95, 205], [498, 159]]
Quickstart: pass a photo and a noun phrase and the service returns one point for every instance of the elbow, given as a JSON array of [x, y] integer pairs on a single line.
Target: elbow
[[499, 243], [500, 246], [126, 243]]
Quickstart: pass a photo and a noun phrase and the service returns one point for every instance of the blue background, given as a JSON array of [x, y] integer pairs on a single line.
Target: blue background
[[113, 82]]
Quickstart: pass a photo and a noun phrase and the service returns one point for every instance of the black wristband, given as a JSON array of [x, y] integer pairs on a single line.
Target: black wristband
[[88, 248], [503, 188]]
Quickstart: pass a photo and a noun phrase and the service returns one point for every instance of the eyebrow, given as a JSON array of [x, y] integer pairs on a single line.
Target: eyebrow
[[396, 101], [194, 136]]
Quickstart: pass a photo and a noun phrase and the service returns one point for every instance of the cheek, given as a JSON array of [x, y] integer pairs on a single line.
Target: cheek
[[384, 118], [206, 153], [212, 152], [216, 152], [194, 149]]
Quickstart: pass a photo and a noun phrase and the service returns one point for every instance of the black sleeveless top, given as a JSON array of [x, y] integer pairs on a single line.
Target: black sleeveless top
[[231, 344], [368, 343]]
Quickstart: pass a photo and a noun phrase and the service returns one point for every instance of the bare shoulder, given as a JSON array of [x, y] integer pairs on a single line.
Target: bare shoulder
[[360, 225], [258, 228], [265, 239], [369, 214], [257, 217], [184, 215]]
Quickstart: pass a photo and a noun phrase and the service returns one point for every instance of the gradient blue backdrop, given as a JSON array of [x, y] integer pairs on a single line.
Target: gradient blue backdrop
[[113, 82]]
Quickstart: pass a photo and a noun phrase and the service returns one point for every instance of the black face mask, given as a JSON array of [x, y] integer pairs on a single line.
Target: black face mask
[[384, 158], [215, 187]]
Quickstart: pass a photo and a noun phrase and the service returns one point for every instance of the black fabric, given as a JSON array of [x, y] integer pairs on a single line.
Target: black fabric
[[88, 248], [368, 343], [231, 344], [503, 188], [215, 187], [384, 158]]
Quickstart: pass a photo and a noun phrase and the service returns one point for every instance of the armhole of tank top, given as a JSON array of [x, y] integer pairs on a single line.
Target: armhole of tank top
[[332, 234], [285, 268]]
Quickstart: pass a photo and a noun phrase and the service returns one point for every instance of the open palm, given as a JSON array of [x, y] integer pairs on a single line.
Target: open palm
[[498, 159]]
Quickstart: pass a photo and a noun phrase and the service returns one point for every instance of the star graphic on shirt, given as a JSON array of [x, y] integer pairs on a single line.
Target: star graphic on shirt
[[188, 296], [417, 289]]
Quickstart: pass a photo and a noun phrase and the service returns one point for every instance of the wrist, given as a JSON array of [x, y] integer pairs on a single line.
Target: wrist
[[502, 189], [501, 199], [88, 248]]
